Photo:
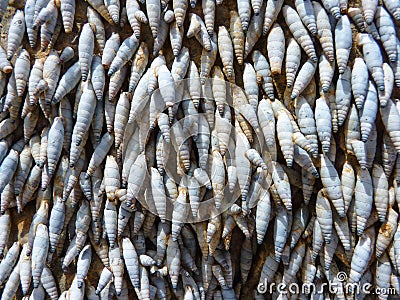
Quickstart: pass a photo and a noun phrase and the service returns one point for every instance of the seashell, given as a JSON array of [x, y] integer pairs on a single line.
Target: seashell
[[194, 145]]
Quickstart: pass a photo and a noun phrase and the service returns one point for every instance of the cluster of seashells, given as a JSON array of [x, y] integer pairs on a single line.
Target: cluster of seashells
[[199, 151]]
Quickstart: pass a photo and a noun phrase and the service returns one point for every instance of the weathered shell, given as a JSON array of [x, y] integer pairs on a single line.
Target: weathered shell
[[208, 7], [113, 7], [207, 59], [124, 54], [373, 58], [67, 8], [21, 71], [389, 117], [98, 77], [54, 145], [15, 33], [333, 7], [323, 123], [110, 49], [303, 78], [387, 33], [343, 42], [275, 48], [393, 8], [326, 70], [179, 7], [280, 233], [272, 10], [369, 9], [39, 253], [263, 72], [292, 61], [225, 49], [47, 19], [67, 82], [363, 199], [237, 36], [29, 12]]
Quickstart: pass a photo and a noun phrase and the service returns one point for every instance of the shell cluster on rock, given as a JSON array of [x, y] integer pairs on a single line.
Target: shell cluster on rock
[[183, 150]]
